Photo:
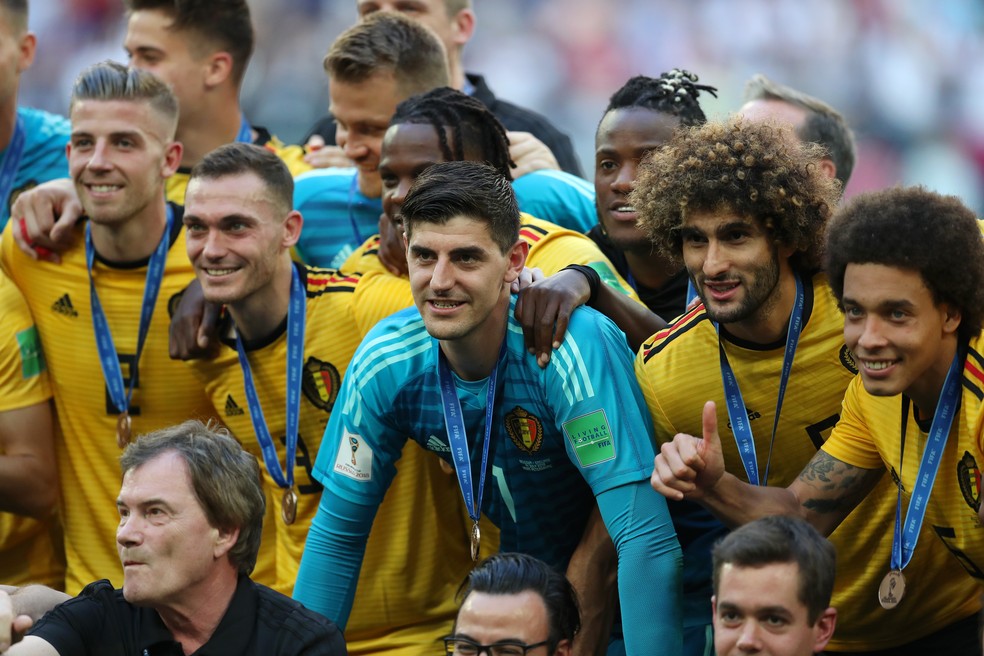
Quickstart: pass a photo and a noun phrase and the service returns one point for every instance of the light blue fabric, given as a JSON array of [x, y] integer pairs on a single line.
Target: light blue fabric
[[44, 153], [558, 197]]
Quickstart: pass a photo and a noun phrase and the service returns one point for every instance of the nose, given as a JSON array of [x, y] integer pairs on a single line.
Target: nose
[[99, 160], [872, 337], [442, 276], [748, 638], [351, 144], [715, 259], [213, 245], [128, 533], [624, 182]]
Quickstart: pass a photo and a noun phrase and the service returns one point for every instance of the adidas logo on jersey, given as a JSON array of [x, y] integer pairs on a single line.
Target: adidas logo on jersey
[[64, 306], [231, 409], [434, 443]]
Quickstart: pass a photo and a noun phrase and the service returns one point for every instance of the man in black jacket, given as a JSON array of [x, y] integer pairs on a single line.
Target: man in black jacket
[[454, 23]]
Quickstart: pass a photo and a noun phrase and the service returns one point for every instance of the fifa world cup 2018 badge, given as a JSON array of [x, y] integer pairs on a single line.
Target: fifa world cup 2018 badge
[[354, 443]]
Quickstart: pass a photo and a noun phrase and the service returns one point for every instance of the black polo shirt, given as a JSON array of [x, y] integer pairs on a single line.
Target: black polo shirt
[[258, 621]]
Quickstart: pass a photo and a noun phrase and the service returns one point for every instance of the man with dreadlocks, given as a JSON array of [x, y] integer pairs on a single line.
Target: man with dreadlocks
[[446, 125]]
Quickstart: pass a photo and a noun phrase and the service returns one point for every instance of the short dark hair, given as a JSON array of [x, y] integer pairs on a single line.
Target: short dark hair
[[224, 477], [514, 573], [824, 124], [474, 127], [16, 11], [237, 158], [782, 539], [220, 24], [756, 170], [674, 93], [471, 189], [111, 80], [919, 230], [387, 41]]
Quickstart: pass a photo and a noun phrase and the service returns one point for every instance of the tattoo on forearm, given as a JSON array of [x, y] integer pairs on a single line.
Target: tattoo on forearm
[[837, 482]]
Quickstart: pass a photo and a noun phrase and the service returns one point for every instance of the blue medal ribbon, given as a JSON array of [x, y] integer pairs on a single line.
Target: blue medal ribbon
[[245, 131], [737, 412], [108, 358], [11, 162], [457, 439], [905, 537], [296, 316]]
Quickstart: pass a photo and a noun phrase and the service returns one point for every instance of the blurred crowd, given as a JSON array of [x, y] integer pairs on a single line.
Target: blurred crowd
[[907, 74]]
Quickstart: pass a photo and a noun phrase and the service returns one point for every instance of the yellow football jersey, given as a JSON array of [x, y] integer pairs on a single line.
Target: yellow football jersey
[[405, 598], [30, 550], [551, 249], [293, 157], [679, 369], [165, 391], [869, 435]]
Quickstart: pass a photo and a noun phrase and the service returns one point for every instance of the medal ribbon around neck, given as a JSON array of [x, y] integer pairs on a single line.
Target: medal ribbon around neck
[[245, 131], [905, 537], [457, 439], [11, 162], [296, 316], [737, 412], [108, 358]]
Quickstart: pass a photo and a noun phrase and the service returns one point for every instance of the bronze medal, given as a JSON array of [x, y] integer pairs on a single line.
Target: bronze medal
[[288, 506], [476, 541], [892, 589], [123, 427]]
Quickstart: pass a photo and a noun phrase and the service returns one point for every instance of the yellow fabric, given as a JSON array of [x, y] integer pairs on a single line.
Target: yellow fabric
[[167, 392], [30, 550], [405, 597], [678, 370], [868, 436]]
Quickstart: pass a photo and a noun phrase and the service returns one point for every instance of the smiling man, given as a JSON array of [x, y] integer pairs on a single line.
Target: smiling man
[[745, 208], [102, 314], [454, 376], [912, 324], [190, 517]]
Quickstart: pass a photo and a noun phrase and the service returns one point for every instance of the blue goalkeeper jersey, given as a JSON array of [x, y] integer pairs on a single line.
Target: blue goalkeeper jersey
[[561, 437], [43, 159]]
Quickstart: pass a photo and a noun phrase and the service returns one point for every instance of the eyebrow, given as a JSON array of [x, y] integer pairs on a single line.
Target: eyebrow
[[143, 504], [890, 304], [758, 610]]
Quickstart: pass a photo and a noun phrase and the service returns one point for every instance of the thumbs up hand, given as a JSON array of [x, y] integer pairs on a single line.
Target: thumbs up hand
[[688, 466]]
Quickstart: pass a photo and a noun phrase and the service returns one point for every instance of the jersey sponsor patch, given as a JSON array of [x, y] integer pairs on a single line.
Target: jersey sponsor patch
[[969, 478], [320, 382], [354, 458], [591, 438], [64, 306], [525, 430], [32, 358]]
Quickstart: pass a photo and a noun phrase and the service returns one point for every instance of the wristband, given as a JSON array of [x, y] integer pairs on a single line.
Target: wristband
[[594, 280]]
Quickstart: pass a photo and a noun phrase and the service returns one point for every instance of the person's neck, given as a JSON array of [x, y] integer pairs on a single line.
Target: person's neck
[[768, 324], [457, 73], [370, 185], [204, 131], [650, 270], [8, 119], [134, 239], [926, 389], [474, 356], [262, 312], [193, 623]]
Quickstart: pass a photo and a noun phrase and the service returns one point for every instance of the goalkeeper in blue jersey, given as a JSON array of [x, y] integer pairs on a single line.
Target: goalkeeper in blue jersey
[[533, 449]]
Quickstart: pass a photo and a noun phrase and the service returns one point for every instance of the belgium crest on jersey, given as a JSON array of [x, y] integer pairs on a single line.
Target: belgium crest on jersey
[[525, 430], [969, 478], [320, 382]]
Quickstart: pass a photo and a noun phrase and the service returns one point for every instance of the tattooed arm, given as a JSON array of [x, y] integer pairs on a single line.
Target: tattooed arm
[[693, 468]]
